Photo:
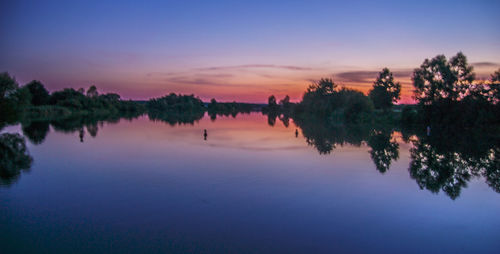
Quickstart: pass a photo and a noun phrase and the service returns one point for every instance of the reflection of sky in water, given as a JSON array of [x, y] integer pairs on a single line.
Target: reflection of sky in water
[[145, 186]]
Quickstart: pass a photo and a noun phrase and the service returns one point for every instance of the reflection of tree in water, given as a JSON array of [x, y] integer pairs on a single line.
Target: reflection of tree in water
[[272, 115], [271, 118], [492, 171], [446, 160], [325, 136], [14, 157], [75, 124], [449, 158], [36, 131], [285, 119], [383, 149], [92, 129], [173, 118]]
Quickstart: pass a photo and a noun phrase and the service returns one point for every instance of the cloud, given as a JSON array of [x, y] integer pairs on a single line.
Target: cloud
[[170, 74], [248, 66], [485, 64], [198, 81], [368, 76]]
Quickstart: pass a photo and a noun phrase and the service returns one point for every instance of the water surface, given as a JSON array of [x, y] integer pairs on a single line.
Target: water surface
[[142, 186]]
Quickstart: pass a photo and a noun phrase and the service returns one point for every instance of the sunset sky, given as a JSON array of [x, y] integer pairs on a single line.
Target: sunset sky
[[235, 50]]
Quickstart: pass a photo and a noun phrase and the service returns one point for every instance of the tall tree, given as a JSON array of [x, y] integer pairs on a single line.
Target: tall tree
[[39, 95], [495, 77], [385, 91], [322, 87], [285, 102], [271, 101], [92, 91], [495, 87], [441, 79], [8, 85]]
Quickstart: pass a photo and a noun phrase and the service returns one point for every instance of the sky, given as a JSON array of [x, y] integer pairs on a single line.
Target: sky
[[238, 50]]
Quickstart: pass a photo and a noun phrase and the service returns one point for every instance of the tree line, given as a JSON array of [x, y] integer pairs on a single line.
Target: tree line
[[446, 92], [34, 102]]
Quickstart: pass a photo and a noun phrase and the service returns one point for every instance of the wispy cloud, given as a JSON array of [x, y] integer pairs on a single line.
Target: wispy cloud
[[485, 64], [368, 76], [251, 66], [198, 81]]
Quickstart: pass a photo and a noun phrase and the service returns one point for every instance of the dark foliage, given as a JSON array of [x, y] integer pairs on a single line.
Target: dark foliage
[[450, 156], [36, 131], [384, 150], [323, 100], [215, 108], [385, 91], [176, 109], [39, 95], [14, 158]]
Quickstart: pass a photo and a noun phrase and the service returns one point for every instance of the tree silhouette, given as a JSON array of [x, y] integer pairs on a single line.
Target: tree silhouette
[[92, 91], [271, 102], [36, 131], [92, 129], [441, 79], [495, 77], [285, 102], [322, 87], [324, 136], [437, 171], [8, 85], [449, 158], [271, 118], [14, 157], [383, 150], [39, 95], [385, 92]]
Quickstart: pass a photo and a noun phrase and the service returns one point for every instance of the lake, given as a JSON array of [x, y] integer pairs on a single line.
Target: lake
[[252, 185]]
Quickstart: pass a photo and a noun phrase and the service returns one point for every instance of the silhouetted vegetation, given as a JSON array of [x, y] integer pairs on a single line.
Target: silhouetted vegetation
[[385, 91], [461, 116], [36, 131], [39, 95], [14, 158], [447, 93], [215, 108], [325, 135], [384, 150], [283, 110], [324, 99], [34, 107], [93, 103], [447, 159], [176, 109], [450, 157]]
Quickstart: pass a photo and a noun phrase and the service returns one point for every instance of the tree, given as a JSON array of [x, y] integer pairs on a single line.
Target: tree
[[213, 102], [14, 157], [495, 87], [36, 131], [8, 85], [441, 79], [285, 102], [495, 77], [384, 151], [92, 91], [39, 95], [385, 92], [322, 87], [271, 101], [22, 98]]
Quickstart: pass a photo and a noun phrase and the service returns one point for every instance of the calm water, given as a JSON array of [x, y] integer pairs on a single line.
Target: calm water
[[144, 186]]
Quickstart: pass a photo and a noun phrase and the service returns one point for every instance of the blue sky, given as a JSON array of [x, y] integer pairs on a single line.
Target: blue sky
[[237, 50]]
